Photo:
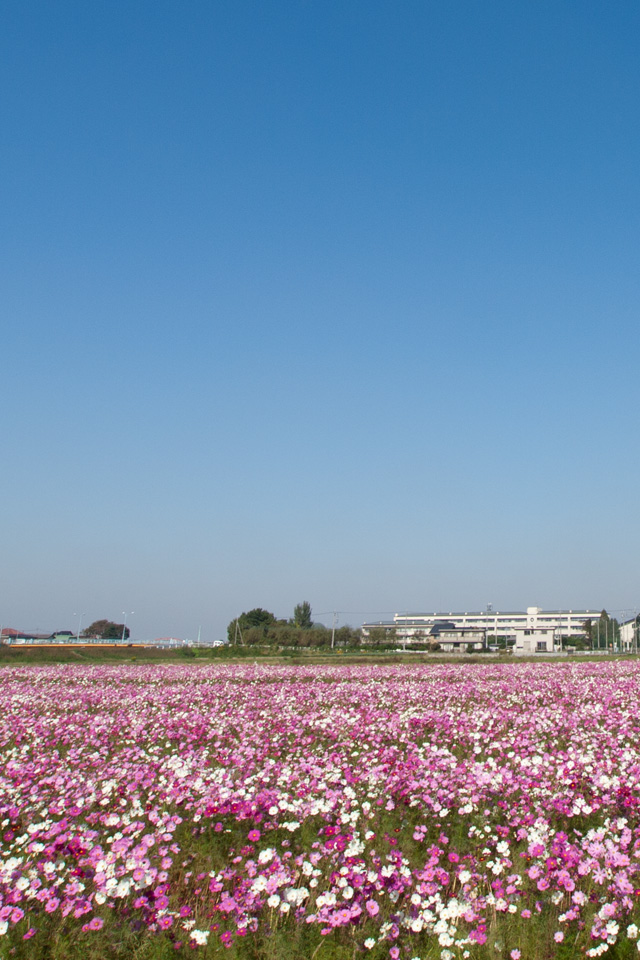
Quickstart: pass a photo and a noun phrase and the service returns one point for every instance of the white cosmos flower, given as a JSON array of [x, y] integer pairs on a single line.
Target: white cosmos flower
[[200, 936]]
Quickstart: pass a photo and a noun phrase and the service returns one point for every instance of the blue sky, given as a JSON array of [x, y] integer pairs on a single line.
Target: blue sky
[[330, 301]]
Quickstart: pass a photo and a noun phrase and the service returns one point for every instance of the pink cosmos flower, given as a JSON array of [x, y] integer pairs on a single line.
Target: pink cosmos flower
[[372, 908]]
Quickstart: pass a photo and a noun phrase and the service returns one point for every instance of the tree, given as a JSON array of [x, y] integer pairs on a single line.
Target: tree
[[106, 630], [302, 615], [254, 618], [380, 635], [605, 631], [258, 617]]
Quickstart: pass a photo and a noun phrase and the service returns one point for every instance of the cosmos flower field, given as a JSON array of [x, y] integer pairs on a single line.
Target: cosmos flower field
[[444, 811]]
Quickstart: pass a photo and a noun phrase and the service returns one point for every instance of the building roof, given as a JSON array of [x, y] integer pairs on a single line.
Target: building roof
[[497, 613]]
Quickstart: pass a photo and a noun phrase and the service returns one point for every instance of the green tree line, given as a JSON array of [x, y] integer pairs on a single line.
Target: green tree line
[[602, 632], [259, 627]]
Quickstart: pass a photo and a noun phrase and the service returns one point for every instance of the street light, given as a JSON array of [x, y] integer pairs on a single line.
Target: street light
[[124, 625], [79, 626]]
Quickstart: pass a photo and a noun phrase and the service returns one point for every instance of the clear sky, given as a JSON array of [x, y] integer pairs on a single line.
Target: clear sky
[[334, 301]]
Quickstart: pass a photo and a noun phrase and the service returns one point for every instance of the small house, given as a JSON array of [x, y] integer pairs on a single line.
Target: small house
[[532, 640]]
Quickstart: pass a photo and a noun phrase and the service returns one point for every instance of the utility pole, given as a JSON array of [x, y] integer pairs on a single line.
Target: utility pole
[[124, 625], [79, 626], [333, 629]]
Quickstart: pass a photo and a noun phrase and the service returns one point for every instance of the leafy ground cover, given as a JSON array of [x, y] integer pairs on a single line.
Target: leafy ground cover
[[330, 812]]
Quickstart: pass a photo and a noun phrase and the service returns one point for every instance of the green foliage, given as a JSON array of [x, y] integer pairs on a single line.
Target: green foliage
[[379, 636], [302, 615], [345, 635], [106, 630], [255, 636], [259, 628], [604, 632], [257, 618]]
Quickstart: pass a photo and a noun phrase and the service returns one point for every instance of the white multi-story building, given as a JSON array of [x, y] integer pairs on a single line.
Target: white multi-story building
[[416, 626], [629, 638]]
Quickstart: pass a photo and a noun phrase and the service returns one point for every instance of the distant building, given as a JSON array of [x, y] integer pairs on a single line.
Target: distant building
[[629, 636], [8, 635], [412, 627], [464, 640], [534, 640]]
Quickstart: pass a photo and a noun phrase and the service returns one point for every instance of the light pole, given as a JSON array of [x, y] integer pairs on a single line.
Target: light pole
[[79, 626], [124, 625]]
